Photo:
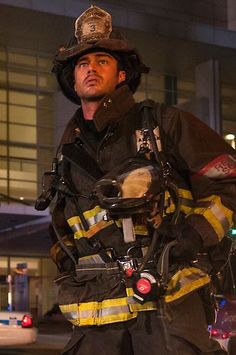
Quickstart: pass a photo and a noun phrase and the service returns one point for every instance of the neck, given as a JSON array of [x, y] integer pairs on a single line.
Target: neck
[[89, 108]]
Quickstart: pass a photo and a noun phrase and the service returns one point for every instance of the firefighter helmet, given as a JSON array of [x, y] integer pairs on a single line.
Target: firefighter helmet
[[94, 32]]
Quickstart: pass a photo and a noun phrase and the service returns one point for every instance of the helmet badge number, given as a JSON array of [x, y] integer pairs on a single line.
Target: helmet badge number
[[93, 25]]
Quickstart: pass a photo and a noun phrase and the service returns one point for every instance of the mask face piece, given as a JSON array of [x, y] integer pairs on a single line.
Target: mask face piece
[[136, 183], [130, 188]]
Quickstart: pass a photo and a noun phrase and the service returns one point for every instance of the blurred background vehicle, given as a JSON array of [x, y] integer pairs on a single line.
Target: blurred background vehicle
[[224, 328], [16, 328]]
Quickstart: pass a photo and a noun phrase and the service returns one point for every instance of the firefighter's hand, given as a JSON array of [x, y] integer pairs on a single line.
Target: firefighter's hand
[[189, 243]]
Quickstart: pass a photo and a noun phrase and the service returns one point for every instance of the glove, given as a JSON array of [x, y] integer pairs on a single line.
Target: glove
[[189, 243]]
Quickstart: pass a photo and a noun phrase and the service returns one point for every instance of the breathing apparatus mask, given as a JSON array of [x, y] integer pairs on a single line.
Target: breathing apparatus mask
[[131, 188]]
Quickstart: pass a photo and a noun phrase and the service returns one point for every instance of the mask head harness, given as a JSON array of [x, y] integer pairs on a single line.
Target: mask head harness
[[93, 33]]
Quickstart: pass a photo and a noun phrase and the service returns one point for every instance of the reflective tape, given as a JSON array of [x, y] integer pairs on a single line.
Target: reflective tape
[[186, 201], [139, 229], [124, 308], [91, 259], [185, 281], [222, 166], [96, 219], [104, 312], [219, 216]]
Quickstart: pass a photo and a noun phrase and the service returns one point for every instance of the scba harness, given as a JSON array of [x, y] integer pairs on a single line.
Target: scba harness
[[121, 284], [117, 207]]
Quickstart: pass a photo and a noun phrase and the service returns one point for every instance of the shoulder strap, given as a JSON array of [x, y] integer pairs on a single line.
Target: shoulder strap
[[152, 114], [75, 154], [151, 121]]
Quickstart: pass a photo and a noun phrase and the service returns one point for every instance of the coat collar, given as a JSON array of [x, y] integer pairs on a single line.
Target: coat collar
[[113, 107]]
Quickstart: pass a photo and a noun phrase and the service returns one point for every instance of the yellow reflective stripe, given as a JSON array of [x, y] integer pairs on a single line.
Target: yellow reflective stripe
[[90, 214], [106, 311], [139, 229], [137, 307], [102, 321], [184, 282], [169, 204], [186, 197], [93, 212], [186, 201], [92, 230], [95, 220], [124, 308], [97, 313], [185, 194], [219, 216]]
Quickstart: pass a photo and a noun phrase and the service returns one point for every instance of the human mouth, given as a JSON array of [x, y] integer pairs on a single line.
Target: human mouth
[[91, 80]]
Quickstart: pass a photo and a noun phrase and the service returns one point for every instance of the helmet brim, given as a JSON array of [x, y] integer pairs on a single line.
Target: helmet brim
[[64, 62]]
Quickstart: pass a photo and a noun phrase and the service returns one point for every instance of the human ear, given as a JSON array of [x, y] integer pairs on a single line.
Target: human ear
[[122, 76]]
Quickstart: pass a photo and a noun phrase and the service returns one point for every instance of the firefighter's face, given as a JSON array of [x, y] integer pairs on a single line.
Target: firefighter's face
[[96, 75]]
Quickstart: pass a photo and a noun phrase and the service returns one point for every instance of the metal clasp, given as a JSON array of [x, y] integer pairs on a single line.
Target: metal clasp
[[128, 265]]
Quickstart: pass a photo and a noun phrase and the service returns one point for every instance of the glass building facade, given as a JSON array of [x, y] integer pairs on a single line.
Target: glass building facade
[[26, 122]]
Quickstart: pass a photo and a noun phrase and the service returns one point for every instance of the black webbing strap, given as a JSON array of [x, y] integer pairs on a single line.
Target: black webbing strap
[[163, 261], [75, 154], [62, 244]]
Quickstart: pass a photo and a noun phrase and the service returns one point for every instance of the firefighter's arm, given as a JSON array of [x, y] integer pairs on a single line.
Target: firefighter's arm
[[62, 241], [210, 165]]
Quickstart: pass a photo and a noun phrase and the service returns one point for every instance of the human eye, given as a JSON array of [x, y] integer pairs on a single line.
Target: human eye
[[82, 64], [103, 61]]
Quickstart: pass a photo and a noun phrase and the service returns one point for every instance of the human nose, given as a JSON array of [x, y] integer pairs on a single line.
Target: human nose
[[92, 67]]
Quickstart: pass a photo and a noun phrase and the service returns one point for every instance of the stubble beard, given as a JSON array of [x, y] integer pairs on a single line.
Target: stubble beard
[[92, 98]]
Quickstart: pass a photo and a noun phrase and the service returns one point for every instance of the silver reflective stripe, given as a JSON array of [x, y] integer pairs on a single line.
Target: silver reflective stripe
[[71, 315], [96, 312], [97, 268], [76, 227], [92, 221], [219, 214], [131, 300], [97, 218], [91, 259], [112, 310]]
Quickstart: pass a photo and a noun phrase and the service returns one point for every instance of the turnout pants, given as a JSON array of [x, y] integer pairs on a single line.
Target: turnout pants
[[180, 330]]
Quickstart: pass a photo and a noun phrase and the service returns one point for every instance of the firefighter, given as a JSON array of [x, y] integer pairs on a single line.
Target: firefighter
[[143, 194]]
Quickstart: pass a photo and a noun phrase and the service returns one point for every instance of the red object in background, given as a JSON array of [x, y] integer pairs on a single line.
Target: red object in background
[[27, 321]]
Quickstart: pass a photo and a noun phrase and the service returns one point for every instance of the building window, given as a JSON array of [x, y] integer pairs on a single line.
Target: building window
[[228, 98], [166, 89], [170, 90], [26, 122]]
